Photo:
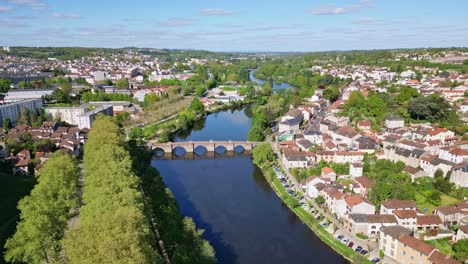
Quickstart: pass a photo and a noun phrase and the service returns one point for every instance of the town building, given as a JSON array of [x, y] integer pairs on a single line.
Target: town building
[[13, 110]]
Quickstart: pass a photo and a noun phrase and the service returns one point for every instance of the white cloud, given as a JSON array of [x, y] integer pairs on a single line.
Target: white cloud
[[66, 15], [369, 21], [337, 10], [176, 22], [34, 4], [8, 22], [4, 9], [216, 12]]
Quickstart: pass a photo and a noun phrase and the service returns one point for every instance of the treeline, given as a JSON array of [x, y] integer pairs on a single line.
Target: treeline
[[183, 241], [112, 227], [44, 213], [184, 121], [100, 96], [404, 101]]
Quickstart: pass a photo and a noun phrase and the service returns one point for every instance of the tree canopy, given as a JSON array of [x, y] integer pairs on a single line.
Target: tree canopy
[[112, 227], [44, 213]]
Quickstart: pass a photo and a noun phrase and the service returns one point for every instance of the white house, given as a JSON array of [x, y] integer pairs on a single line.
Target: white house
[[394, 122], [460, 175], [356, 204], [295, 161], [348, 156], [355, 169], [311, 186]]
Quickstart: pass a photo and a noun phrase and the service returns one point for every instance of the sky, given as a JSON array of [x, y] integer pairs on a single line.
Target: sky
[[236, 25]]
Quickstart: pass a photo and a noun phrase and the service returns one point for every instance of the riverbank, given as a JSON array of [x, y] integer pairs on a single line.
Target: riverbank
[[171, 128], [308, 219]]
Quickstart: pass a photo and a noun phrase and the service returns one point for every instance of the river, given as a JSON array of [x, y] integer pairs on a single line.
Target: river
[[276, 86], [229, 197]]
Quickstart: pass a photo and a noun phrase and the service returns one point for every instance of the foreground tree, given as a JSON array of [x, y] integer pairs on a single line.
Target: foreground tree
[[44, 213]]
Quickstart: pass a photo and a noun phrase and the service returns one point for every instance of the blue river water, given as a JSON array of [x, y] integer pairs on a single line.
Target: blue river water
[[228, 196]]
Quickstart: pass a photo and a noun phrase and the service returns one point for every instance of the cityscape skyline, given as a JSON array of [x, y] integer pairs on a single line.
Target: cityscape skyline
[[235, 25]]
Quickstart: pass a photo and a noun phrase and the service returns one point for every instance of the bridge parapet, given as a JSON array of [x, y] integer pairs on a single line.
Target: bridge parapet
[[210, 145]]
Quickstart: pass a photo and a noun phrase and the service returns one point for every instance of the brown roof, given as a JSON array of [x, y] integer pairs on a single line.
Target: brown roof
[[439, 258], [355, 200], [448, 209], [428, 220], [405, 213], [364, 181], [411, 170], [416, 244], [394, 204], [463, 228], [350, 153], [327, 170], [395, 231], [382, 218], [22, 163]]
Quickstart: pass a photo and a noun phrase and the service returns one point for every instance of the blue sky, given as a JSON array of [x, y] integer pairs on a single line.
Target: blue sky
[[236, 25]]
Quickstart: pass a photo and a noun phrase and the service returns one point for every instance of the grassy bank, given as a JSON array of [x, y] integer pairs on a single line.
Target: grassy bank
[[309, 220]]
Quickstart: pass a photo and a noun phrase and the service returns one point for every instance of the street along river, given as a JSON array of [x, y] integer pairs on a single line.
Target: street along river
[[229, 197]]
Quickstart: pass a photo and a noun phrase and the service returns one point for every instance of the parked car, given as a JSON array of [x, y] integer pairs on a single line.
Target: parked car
[[350, 244], [325, 224], [340, 237], [358, 249], [375, 260], [363, 252], [345, 241]]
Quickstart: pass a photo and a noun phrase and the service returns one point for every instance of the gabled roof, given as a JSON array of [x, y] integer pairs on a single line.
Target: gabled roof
[[428, 220], [327, 170], [416, 244], [395, 231], [356, 199], [439, 258], [395, 204], [365, 181], [404, 214], [382, 218]]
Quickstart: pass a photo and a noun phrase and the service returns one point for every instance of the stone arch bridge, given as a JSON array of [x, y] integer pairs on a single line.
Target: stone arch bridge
[[210, 146]]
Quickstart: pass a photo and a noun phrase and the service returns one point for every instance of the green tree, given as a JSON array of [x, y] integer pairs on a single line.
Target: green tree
[[122, 84], [4, 85], [24, 118], [151, 98], [461, 250], [44, 213], [319, 199], [66, 87], [262, 153], [113, 227], [196, 106], [332, 94], [7, 124]]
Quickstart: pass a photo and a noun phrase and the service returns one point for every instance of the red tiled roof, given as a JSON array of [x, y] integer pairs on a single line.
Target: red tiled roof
[[394, 204], [439, 258], [428, 220], [355, 200], [416, 244], [402, 214], [327, 170], [364, 181]]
